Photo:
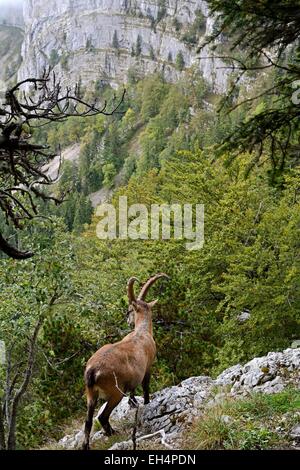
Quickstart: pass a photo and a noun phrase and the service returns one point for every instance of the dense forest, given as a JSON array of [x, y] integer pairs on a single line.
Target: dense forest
[[236, 298]]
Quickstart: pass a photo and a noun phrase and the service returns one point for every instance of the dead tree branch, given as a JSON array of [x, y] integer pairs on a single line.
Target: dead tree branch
[[32, 103]]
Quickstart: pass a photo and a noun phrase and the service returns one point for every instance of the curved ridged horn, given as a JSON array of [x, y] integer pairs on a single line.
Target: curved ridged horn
[[130, 290], [149, 283]]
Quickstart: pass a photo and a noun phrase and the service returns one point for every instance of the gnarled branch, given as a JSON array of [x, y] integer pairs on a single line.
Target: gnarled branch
[[32, 103]]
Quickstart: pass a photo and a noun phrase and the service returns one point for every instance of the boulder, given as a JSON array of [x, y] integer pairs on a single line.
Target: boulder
[[267, 374], [295, 433]]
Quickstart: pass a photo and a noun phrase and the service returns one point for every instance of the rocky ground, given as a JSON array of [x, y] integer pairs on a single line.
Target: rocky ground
[[172, 410]]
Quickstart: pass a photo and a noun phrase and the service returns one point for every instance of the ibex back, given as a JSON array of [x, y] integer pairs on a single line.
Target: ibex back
[[116, 369]]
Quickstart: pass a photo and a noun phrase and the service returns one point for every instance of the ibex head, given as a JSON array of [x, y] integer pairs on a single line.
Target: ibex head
[[139, 305]]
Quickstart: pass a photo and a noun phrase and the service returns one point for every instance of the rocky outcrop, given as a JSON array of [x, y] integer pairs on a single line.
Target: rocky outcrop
[[102, 40], [171, 410], [268, 374]]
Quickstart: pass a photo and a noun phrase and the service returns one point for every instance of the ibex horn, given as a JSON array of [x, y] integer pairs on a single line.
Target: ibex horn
[[149, 283], [130, 290]]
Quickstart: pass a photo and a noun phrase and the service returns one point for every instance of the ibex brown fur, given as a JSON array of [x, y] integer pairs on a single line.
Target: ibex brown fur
[[116, 369]]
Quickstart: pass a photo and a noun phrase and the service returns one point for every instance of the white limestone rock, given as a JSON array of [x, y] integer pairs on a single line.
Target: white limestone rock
[[268, 374], [81, 34]]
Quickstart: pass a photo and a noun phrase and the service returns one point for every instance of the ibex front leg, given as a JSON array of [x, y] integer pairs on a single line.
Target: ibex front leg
[[146, 388], [133, 403]]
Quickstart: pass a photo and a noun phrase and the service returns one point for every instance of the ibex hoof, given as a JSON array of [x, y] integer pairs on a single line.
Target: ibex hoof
[[110, 431], [133, 402], [85, 446]]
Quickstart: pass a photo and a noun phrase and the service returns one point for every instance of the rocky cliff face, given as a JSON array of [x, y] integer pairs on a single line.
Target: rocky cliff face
[[173, 409], [94, 40], [11, 38]]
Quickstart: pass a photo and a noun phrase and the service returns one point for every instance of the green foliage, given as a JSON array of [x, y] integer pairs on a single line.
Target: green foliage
[[64, 61], [257, 439], [89, 45], [83, 213], [157, 136], [162, 10], [249, 23], [179, 61], [26, 292], [252, 31], [150, 93], [109, 172], [138, 46], [54, 58], [177, 25], [265, 406], [237, 269], [240, 424], [133, 75], [11, 39], [192, 34], [115, 42], [111, 141], [151, 53]]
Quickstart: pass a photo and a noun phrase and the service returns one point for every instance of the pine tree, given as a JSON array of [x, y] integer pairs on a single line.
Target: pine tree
[[115, 42], [254, 29], [180, 64], [151, 53], [83, 213], [138, 48]]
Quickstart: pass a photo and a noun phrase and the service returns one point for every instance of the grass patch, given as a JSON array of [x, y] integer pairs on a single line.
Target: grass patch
[[256, 422], [262, 406]]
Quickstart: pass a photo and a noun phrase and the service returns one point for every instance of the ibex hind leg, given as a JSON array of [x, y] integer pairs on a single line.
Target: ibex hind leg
[[91, 405], [104, 416]]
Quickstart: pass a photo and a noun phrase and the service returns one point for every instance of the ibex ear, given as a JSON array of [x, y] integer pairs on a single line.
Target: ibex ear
[[153, 303], [134, 304]]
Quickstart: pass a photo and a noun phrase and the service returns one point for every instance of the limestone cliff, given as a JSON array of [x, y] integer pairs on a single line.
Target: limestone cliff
[[101, 40], [11, 38]]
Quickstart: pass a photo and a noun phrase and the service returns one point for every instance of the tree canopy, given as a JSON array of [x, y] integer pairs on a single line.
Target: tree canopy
[[263, 36]]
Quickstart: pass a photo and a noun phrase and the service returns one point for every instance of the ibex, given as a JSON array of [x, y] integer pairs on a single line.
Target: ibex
[[116, 369]]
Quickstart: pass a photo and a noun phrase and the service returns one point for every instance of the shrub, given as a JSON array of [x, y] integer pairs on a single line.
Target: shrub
[[115, 42], [54, 58], [138, 47], [180, 63]]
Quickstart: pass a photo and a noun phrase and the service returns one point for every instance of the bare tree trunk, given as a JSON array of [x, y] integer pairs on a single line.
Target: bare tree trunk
[[7, 388], [2, 433], [11, 440]]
